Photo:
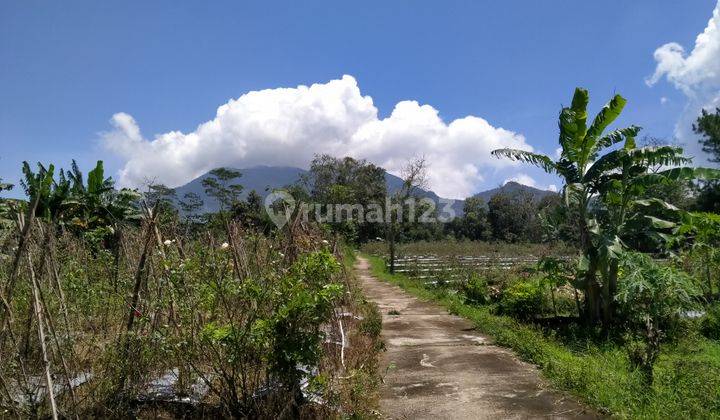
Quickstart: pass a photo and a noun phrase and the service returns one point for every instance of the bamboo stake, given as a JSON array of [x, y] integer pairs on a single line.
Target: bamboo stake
[[41, 337], [66, 370], [139, 274], [24, 227]]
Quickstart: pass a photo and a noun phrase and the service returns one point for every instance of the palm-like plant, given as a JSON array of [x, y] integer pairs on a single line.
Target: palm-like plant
[[613, 183], [51, 195], [96, 203]]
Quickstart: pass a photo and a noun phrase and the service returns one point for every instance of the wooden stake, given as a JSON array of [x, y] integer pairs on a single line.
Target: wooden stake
[[41, 337]]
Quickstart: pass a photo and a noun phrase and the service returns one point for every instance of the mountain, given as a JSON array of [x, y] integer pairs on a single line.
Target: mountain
[[264, 179], [512, 189]]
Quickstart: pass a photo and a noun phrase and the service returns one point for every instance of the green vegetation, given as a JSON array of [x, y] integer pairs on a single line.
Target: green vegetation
[[604, 193], [117, 305], [627, 317], [121, 303], [687, 373]]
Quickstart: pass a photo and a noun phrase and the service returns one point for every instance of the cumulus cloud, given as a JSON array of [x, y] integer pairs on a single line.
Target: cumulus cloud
[[696, 74], [288, 126]]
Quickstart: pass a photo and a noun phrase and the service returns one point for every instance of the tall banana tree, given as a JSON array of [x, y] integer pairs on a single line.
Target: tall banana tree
[[612, 182]]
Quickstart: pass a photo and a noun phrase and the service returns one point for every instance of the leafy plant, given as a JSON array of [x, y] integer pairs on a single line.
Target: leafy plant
[[710, 324], [653, 295], [475, 289], [603, 192], [522, 299]]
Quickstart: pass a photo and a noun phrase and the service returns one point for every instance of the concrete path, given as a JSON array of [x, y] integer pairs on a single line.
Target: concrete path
[[438, 367]]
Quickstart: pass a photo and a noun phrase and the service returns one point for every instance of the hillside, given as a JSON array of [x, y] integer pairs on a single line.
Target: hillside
[[513, 188]]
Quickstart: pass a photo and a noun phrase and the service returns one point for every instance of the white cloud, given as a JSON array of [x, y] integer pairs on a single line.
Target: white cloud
[[552, 187], [663, 100], [287, 126], [696, 74]]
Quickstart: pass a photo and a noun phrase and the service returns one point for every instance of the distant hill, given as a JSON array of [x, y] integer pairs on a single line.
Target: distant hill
[[513, 189], [264, 179]]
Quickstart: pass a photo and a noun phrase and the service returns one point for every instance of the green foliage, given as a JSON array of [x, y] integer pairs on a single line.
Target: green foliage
[[698, 235], [708, 126], [710, 324], [687, 375], [653, 296], [522, 299], [604, 193], [334, 181], [371, 325], [512, 218], [474, 224], [219, 186], [475, 289]]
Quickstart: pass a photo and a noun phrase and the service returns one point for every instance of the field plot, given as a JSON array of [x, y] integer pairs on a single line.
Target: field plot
[[450, 261], [431, 266]]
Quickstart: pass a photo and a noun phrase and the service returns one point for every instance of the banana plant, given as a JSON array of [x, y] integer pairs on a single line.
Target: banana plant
[[51, 195], [96, 204], [603, 191]]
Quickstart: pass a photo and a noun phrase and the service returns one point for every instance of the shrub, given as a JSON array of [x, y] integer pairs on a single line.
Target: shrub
[[522, 299], [475, 289], [652, 296], [710, 324], [371, 325]]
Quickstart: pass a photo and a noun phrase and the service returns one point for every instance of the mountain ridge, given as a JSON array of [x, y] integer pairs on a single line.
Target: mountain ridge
[[263, 179]]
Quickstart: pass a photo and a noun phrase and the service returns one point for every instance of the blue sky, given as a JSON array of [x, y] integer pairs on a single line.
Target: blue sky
[[67, 67]]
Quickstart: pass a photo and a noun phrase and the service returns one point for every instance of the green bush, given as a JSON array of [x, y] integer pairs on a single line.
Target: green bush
[[475, 289], [371, 325], [710, 324], [522, 299]]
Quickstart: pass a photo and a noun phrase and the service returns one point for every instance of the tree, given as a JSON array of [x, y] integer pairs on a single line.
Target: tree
[[5, 186], [556, 221], [218, 185], [602, 192], [678, 192], [251, 212], [162, 199], [414, 176], [512, 217], [160, 194], [352, 184], [51, 195], [708, 127], [190, 203], [474, 224]]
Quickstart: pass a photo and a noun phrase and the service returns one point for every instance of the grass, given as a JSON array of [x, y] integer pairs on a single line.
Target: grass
[[687, 383]]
